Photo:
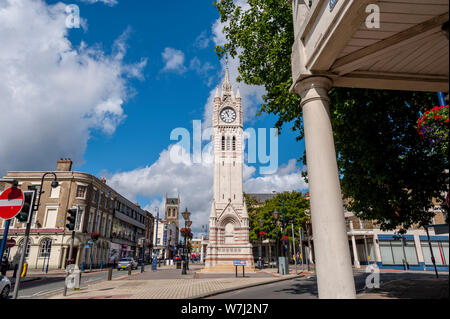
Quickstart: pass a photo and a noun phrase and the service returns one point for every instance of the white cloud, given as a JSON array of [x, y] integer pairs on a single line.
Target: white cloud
[[287, 178], [193, 181], [174, 60], [202, 41], [108, 2], [52, 94]]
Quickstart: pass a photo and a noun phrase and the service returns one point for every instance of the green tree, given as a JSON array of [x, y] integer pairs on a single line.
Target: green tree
[[295, 206], [390, 174]]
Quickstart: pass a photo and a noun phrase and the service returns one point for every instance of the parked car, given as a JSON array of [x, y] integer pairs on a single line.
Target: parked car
[[5, 287], [124, 263]]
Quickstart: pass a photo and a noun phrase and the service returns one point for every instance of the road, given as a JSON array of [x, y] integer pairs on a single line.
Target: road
[[306, 287], [44, 287]]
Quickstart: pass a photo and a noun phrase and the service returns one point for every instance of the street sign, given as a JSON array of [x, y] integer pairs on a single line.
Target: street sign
[[10, 243], [240, 262], [11, 202]]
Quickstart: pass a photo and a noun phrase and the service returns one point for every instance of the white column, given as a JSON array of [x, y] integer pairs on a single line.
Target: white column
[[333, 262], [355, 251], [418, 245]]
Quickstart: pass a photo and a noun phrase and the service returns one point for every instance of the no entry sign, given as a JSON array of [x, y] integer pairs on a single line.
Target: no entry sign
[[11, 202], [10, 243]]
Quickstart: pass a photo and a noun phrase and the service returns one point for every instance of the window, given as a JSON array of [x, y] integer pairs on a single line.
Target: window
[[94, 195], [228, 143], [223, 143], [55, 192], [440, 252], [81, 191], [27, 252], [50, 218], [90, 222], [108, 228], [392, 252], [79, 218], [45, 248], [103, 225], [234, 143]]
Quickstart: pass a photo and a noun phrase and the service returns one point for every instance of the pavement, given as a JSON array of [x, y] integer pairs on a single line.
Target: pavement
[[38, 274], [416, 288], [168, 283]]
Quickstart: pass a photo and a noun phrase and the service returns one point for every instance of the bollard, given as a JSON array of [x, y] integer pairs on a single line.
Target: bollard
[[110, 270], [129, 271]]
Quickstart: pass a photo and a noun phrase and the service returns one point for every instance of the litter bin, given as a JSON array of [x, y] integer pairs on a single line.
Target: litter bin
[[178, 264], [283, 266]]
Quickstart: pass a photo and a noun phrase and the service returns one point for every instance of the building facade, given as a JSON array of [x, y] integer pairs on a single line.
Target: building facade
[[228, 223], [390, 250], [165, 238], [368, 244], [107, 225]]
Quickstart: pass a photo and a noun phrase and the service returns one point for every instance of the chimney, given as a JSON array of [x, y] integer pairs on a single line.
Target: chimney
[[137, 204], [64, 164], [103, 180]]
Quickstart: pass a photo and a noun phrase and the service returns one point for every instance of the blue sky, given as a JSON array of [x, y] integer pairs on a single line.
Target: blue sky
[[153, 92]]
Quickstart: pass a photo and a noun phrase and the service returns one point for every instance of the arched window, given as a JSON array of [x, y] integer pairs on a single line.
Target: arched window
[[234, 143], [45, 248], [228, 143], [27, 252], [223, 143]]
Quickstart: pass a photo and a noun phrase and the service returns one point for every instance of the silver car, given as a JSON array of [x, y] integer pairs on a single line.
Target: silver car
[[124, 263], [5, 287]]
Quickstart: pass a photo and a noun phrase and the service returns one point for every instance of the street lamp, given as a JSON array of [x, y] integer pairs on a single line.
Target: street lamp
[[261, 224], [188, 223], [186, 216], [27, 233], [276, 215]]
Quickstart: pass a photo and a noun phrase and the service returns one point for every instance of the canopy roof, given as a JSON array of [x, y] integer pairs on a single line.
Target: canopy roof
[[409, 50]]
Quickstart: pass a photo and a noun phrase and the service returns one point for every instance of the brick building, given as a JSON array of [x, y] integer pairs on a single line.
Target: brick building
[[116, 221]]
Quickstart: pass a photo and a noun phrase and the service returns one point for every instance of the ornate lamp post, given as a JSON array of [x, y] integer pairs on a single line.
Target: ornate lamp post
[[276, 215], [186, 216], [188, 223]]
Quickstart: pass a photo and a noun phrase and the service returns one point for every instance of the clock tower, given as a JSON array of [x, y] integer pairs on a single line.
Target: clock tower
[[228, 222]]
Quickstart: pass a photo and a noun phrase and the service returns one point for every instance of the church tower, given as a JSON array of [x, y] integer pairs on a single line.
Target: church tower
[[228, 223], [173, 210]]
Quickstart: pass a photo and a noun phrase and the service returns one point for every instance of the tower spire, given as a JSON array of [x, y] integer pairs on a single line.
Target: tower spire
[[227, 88]]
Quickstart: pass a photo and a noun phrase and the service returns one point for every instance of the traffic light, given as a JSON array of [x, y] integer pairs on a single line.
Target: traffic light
[[24, 215], [72, 218]]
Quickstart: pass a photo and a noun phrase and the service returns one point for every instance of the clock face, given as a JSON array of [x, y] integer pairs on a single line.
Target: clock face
[[228, 115]]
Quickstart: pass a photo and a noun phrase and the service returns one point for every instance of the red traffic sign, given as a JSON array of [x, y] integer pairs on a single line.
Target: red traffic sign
[[10, 243], [11, 202]]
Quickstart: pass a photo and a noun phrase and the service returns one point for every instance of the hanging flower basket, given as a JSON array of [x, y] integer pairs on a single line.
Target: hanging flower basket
[[95, 235], [261, 233], [285, 238], [186, 232], [433, 127]]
